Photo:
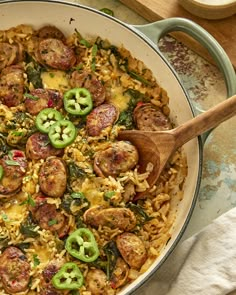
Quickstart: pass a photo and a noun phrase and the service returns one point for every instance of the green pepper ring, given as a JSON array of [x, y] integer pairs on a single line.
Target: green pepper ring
[[78, 101], [86, 249], [69, 277], [46, 118], [62, 133]]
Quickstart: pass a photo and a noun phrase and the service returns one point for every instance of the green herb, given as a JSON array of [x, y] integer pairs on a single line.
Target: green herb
[[75, 171], [28, 201], [85, 43], [52, 222], [78, 34], [108, 195], [94, 53], [107, 11], [4, 217], [138, 77], [4, 148], [112, 254], [94, 50], [31, 96], [52, 75], [75, 199], [141, 215], [12, 163], [4, 242], [79, 67], [126, 116], [33, 71], [77, 195], [17, 133], [1, 172], [23, 246], [36, 260], [27, 227]]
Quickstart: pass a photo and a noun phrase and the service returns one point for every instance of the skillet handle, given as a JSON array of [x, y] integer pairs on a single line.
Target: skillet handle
[[154, 31]]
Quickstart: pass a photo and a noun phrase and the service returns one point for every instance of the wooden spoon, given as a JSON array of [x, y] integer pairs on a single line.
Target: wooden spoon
[[157, 147]]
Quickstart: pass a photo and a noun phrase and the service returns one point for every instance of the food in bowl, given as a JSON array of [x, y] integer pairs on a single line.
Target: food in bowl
[[70, 214]]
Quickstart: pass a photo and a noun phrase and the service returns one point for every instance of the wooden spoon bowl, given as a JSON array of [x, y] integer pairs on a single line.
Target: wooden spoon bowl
[[156, 147]]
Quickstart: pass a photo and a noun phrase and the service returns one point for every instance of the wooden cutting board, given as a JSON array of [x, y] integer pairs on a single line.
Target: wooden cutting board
[[224, 30]]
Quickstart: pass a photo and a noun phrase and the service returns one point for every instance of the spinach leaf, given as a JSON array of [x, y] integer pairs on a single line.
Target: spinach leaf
[[126, 116], [141, 215], [27, 227], [112, 254], [33, 71]]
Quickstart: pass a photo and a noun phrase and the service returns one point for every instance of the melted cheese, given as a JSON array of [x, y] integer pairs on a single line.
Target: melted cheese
[[94, 197], [42, 253], [118, 99], [91, 192], [55, 80], [15, 211]]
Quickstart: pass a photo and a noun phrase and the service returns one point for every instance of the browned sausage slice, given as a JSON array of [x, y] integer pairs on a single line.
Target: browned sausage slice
[[12, 86], [50, 32], [53, 177], [38, 147], [14, 168], [96, 282], [132, 249], [100, 118], [118, 158], [120, 273], [150, 118], [46, 287], [14, 270], [122, 218], [45, 98], [8, 55], [48, 216], [92, 83], [55, 54]]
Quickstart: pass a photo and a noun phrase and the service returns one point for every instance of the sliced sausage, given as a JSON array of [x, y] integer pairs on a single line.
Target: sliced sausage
[[121, 218], [92, 83], [39, 200], [150, 118], [12, 86], [46, 287], [38, 147], [96, 282], [14, 168], [43, 98], [48, 216], [118, 158], [100, 118], [8, 55], [50, 32], [132, 249], [14, 270], [53, 177], [55, 54], [120, 273]]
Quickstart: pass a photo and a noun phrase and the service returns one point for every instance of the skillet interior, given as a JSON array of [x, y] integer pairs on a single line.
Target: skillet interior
[[91, 23]]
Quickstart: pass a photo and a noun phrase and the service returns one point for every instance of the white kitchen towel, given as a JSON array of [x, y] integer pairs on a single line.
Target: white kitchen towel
[[204, 264]]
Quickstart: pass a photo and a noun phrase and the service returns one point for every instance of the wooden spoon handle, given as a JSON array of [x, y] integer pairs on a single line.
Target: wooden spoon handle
[[205, 121]]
